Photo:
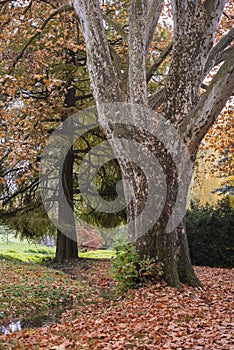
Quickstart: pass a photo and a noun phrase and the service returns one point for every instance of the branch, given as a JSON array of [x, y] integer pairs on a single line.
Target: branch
[[103, 76], [155, 66], [55, 13], [157, 99], [31, 186], [211, 103], [154, 11], [214, 9], [225, 55], [83, 97], [28, 7], [212, 6], [3, 2], [216, 54], [137, 53], [116, 26]]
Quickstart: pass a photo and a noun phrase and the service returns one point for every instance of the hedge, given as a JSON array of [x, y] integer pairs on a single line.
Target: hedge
[[210, 232]]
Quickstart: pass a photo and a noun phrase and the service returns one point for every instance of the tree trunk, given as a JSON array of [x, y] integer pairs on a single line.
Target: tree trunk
[[168, 242], [194, 25], [66, 247]]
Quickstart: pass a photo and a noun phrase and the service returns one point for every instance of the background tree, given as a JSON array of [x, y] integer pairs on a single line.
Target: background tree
[[35, 103]]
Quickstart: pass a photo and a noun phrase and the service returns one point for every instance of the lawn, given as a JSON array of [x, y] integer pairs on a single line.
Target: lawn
[[31, 252], [23, 250]]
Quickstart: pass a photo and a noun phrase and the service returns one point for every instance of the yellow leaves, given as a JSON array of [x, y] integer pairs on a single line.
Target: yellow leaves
[[38, 76], [2, 180]]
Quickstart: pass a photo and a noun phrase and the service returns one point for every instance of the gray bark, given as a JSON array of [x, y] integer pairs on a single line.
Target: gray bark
[[193, 55], [200, 119]]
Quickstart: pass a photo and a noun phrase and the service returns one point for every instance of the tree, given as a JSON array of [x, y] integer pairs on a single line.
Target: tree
[[43, 40], [33, 104], [194, 54]]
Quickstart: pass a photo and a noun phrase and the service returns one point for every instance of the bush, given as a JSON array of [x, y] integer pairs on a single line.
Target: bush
[[211, 235], [88, 238], [130, 271]]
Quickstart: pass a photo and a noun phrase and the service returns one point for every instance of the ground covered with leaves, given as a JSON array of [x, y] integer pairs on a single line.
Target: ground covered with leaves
[[27, 288], [152, 317]]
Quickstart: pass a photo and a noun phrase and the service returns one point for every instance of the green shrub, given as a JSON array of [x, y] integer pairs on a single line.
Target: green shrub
[[130, 271], [211, 234]]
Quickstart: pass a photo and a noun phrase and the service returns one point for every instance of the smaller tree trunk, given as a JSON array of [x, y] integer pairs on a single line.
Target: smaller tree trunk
[[66, 247]]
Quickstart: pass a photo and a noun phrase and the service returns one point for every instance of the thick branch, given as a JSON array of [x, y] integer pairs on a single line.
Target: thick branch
[[103, 76], [214, 9], [216, 54], [154, 11], [157, 99], [225, 55], [159, 61], [198, 121], [194, 30], [212, 6], [137, 53]]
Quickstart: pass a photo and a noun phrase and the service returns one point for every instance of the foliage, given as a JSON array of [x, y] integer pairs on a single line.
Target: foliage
[[43, 41], [33, 225], [130, 271], [210, 234], [88, 238]]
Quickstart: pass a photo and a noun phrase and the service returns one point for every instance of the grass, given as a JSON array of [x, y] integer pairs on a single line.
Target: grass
[[26, 288], [24, 251], [98, 254]]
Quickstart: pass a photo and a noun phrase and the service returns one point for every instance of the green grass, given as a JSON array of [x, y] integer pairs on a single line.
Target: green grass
[[24, 251], [98, 254], [29, 252]]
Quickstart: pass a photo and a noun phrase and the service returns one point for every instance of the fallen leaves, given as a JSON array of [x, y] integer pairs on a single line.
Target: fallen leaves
[[154, 317], [29, 288]]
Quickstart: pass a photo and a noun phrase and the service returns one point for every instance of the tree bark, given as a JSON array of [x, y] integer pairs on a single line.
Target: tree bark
[[195, 25], [66, 247]]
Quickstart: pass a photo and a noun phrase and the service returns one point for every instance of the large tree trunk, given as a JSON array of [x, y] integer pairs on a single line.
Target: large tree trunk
[[193, 55]]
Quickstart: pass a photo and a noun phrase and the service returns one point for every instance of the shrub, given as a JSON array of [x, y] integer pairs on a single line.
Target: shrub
[[130, 271], [211, 235], [88, 238]]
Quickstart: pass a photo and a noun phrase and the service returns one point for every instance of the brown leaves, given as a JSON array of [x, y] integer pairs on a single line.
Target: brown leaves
[[155, 317]]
